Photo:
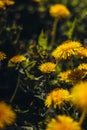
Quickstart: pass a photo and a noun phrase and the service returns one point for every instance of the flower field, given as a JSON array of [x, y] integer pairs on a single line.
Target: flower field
[[43, 65]]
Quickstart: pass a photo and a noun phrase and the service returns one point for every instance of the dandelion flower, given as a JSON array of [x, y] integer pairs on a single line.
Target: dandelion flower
[[63, 122], [57, 97], [8, 2], [37, 1], [47, 67], [76, 75], [79, 95], [1, 4], [17, 59], [72, 76], [7, 115], [2, 55], [82, 53], [66, 50], [59, 10], [63, 76], [83, 66]]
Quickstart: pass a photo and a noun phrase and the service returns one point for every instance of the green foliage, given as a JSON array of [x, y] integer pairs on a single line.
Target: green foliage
[[42, 40]]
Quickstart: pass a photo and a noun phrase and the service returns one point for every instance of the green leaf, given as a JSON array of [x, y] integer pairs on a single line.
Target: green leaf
[[29, 76], [42, 40], [10, 64], [28, 64]]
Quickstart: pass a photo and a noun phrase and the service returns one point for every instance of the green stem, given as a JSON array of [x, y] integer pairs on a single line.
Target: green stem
[[54, 31], [82, 117], [72, 28], [16, 89]]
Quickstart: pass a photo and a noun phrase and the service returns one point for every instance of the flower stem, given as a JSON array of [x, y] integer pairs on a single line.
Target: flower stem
[[16, 88], [82, 117], [54, 31], [72, 28]]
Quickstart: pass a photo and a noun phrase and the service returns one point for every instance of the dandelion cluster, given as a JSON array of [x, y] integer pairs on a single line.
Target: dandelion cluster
[[59, 10], [57, 97], [63, 122], [38, 73], [47, 67], [17, 59], [66, 50], [7, 115]]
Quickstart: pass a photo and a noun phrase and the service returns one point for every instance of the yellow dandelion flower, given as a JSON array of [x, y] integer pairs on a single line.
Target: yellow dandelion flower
[[63, 76], [37, 1], [8, 2], [2, 4], [2, 55], [7, 115], [17, 59], [59, 10], [79, 95], [66, 50], [76, 75], [57, 98], [83, 66], [63, 122], [72, 76], [47, 67], [82, 53]]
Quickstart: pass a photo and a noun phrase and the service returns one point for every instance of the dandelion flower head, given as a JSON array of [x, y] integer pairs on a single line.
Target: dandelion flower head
[[37, 1], [8, 2], [7, 115], [79, 95], [47, 67], [66, 50], [59, 10], [76, 75], [82, 53], [83, 66], [2, 55], [1, 4], [17, 59], [57, 98], [63, 76], [72, 76], [63, 122]]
